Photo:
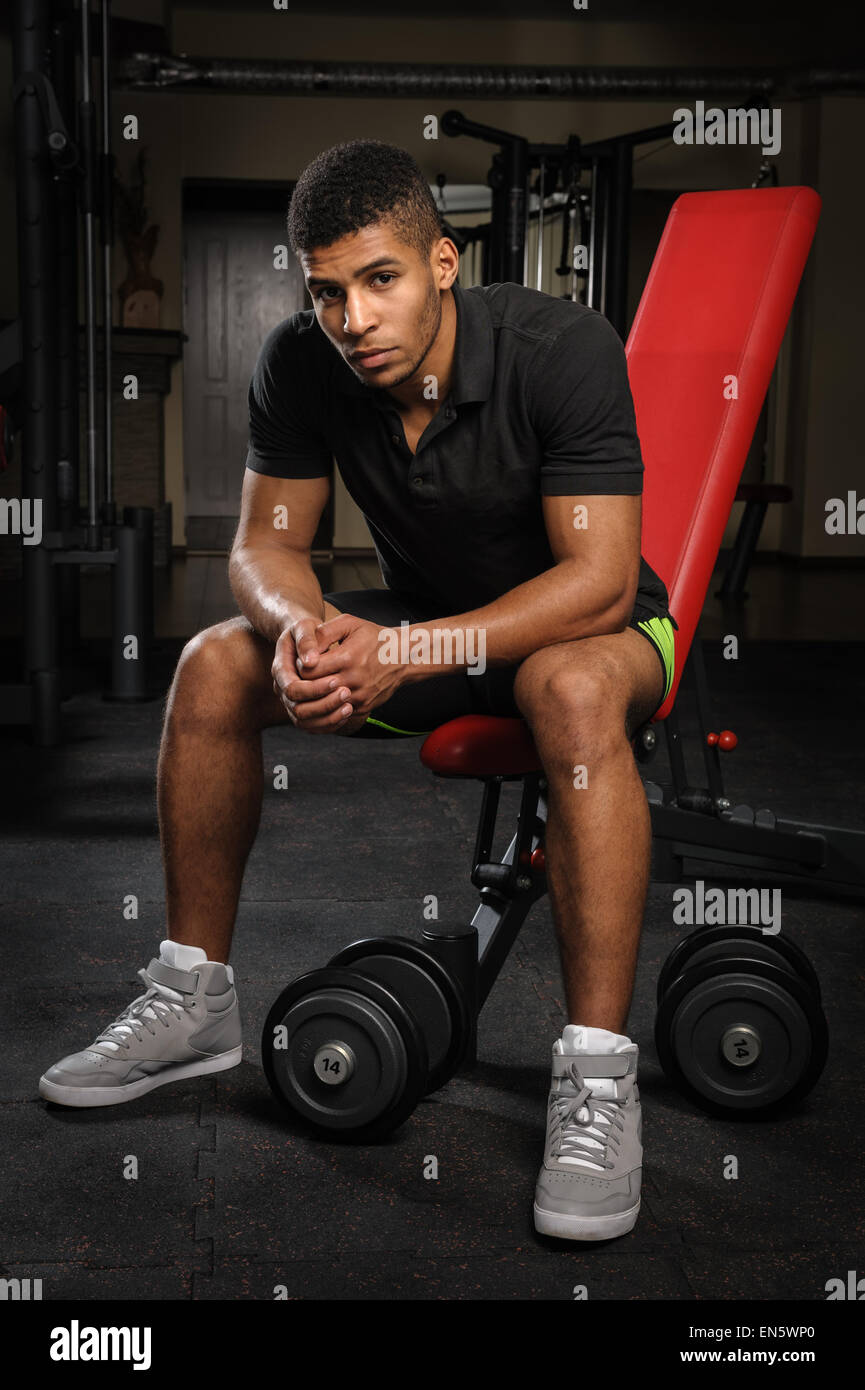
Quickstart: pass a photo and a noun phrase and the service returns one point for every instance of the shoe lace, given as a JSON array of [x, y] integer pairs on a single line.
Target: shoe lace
[[157, 1005], [585, 1127]]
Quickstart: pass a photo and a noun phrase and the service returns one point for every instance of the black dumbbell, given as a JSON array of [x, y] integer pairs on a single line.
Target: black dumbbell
[[351, 1049], [426, 987], [741, 1036], [714, 943], [342, 1052]]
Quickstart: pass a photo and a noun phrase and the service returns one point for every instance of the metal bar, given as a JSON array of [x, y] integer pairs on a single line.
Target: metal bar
[[107, 248], [630, 137], [515, 158], [502, 912], [487, 820], [711, 757], [593, 296], [747, 536], [496, 247], [539, 267], [675, 751], [574, 222], [63, 55], [88, 201], [619, 237], [605, 236], [498, 921], [162, 72], [37, 269]]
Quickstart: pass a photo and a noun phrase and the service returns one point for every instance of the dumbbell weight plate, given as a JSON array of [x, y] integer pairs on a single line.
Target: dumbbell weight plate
[[741, 1037], [426, 987], [341, 1052], [710, 943]]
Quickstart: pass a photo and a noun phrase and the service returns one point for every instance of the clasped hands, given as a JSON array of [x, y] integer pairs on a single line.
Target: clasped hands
[[328, 674]]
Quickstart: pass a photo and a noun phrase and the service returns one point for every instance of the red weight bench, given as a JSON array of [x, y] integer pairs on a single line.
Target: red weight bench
[[715, 306]]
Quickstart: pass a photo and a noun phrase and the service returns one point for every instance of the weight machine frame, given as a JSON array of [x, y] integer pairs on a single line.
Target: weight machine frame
[[54, 165], [611, 165]]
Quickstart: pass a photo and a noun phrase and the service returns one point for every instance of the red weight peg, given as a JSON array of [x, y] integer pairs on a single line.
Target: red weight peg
[[727, 740], [711, 739], [539, 858]]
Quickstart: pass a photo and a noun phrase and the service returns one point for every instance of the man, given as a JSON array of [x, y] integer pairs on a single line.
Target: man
[[489, 438]]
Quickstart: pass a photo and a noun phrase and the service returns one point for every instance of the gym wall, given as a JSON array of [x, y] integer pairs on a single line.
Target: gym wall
[[814, 440]]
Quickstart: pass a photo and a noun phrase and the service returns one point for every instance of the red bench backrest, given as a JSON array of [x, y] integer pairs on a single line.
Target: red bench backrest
[[715, 305]]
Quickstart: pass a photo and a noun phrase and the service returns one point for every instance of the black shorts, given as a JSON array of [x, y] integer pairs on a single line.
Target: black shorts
[[418, 708]]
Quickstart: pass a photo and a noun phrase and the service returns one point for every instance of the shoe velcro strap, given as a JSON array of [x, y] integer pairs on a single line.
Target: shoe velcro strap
[[608, 1064], [186, 981]]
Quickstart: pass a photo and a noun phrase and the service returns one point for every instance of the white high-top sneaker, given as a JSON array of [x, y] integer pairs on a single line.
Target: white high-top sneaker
[[187, 1023], [589, 1185]]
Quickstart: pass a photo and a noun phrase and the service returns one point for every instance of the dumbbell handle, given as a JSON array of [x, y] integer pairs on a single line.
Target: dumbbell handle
[[455, 945]]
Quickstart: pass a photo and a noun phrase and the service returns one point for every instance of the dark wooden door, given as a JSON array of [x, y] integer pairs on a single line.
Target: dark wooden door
[[233, 297]]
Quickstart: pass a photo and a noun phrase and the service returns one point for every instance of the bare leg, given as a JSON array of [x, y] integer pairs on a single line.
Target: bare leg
[[582, 706], [210, 779]]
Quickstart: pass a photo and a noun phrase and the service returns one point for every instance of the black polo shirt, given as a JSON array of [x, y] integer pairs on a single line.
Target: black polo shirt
[[539, 404]]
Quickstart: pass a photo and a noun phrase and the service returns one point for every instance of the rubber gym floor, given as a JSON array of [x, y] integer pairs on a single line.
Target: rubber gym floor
[[230, 1203]]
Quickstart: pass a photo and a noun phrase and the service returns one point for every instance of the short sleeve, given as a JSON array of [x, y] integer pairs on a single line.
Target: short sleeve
[[284, 438], [581, 407]]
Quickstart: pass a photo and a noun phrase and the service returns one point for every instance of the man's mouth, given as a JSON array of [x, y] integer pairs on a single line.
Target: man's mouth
[[371, 357]]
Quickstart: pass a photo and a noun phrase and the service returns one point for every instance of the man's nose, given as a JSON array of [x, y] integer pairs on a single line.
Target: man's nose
[[359, 316]]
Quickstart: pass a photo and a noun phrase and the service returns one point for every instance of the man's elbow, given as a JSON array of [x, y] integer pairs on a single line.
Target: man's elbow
[[617, 611], [609, 607], [600, 619]]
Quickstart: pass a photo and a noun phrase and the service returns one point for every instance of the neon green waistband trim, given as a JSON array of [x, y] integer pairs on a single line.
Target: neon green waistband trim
[[391, 728], [660, 631]]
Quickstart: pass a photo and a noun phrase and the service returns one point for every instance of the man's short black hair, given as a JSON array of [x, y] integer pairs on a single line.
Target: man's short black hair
[[355, 184]]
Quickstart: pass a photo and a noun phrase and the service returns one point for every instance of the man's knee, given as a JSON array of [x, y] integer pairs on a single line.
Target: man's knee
[[550, 689], [224, 664], [227, 650]]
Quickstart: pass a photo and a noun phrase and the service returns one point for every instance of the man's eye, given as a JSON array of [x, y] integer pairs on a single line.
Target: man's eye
[[387, 275]]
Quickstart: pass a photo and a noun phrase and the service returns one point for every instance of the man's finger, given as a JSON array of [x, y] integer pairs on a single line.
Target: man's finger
[[308, 691], [318, 714], [335, 629], [306, 645], [337, 663]]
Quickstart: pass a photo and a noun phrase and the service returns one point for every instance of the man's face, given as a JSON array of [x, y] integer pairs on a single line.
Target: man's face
[[372, 292]]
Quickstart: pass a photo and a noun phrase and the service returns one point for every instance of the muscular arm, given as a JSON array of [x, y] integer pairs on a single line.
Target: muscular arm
[[270, 569], [271, 576], [589, 591]]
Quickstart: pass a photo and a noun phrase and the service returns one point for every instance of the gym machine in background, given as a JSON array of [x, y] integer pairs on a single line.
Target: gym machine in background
[[589, 187], [60, 174], [596, 216]]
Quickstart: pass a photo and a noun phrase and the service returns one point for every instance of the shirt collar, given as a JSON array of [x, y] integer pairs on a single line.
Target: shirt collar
[[474, 356]]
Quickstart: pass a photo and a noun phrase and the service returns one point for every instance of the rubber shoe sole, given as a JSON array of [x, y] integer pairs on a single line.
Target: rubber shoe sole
[[556, 1223], [82, 1097]]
